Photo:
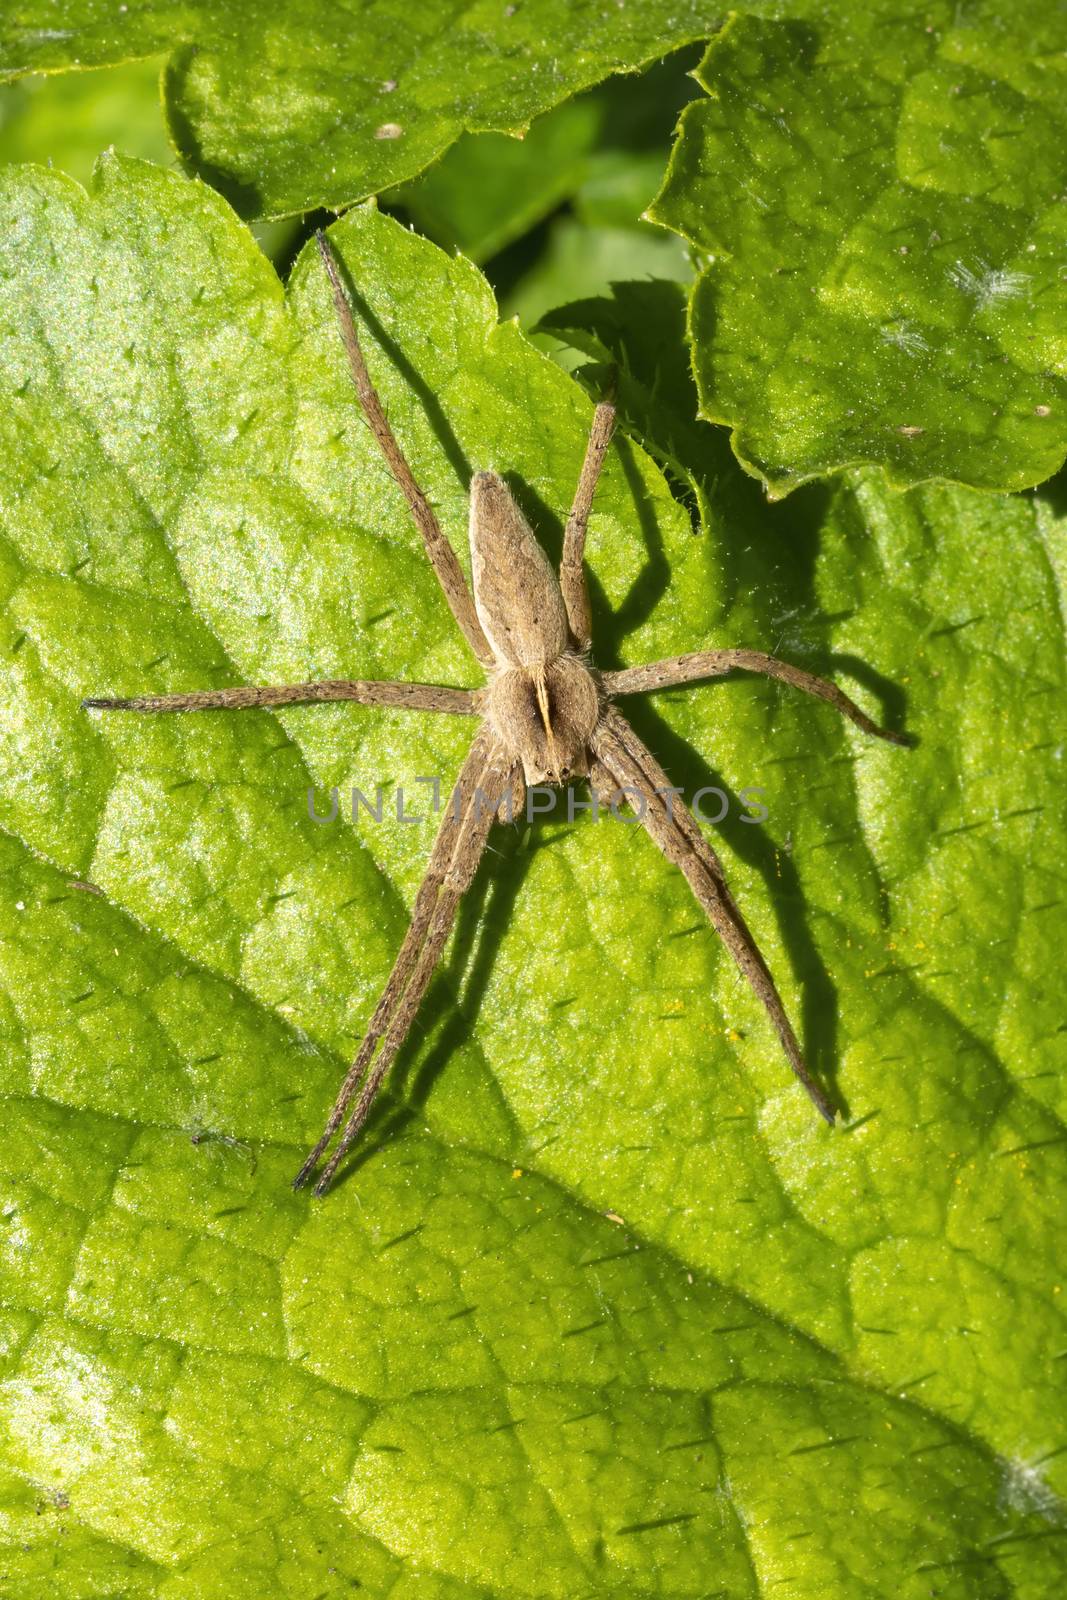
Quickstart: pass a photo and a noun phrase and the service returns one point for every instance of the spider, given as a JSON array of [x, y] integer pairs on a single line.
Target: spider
[[547, 715]]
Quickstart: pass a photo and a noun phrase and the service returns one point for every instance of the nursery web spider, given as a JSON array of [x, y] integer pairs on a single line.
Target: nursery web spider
[[546, 716]]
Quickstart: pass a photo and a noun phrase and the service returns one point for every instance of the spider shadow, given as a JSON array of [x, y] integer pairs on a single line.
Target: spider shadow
[[761, 851], [485, 910], [757, 558], [454, 996], [765, 549], [650, 584], [429, 404]]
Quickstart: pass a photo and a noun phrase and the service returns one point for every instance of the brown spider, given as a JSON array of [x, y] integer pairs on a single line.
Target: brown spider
[[547, 715]]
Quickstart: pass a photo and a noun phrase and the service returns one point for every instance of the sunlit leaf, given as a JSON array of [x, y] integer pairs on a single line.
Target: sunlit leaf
[[599, 1310], [880, 215], [288, 107]]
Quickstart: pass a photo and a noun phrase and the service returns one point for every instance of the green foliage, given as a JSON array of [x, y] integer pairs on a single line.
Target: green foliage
[[600, 1310], [881, 221], [560, 212], [312, 104], [874, 192], [69, 119], [603, 153]]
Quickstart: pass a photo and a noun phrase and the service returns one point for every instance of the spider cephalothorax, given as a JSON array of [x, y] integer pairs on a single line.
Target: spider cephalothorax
[[546, 716], [542, 701]]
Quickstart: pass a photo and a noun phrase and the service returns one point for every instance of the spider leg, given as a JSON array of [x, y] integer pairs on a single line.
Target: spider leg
[[437, 933], [441, 554], [669, 822], [716, 663], [513, 806], [571, 568], [469, 815], [407, 696]]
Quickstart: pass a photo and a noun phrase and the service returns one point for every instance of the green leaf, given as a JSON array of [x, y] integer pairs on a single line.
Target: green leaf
[[604, 152], [636, 339], [576, 257], [68, 120], [600, 1309], [313, 105], [881, 220], [489, 190]]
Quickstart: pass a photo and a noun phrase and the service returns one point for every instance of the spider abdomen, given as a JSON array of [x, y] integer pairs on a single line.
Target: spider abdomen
[[545, 717]]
